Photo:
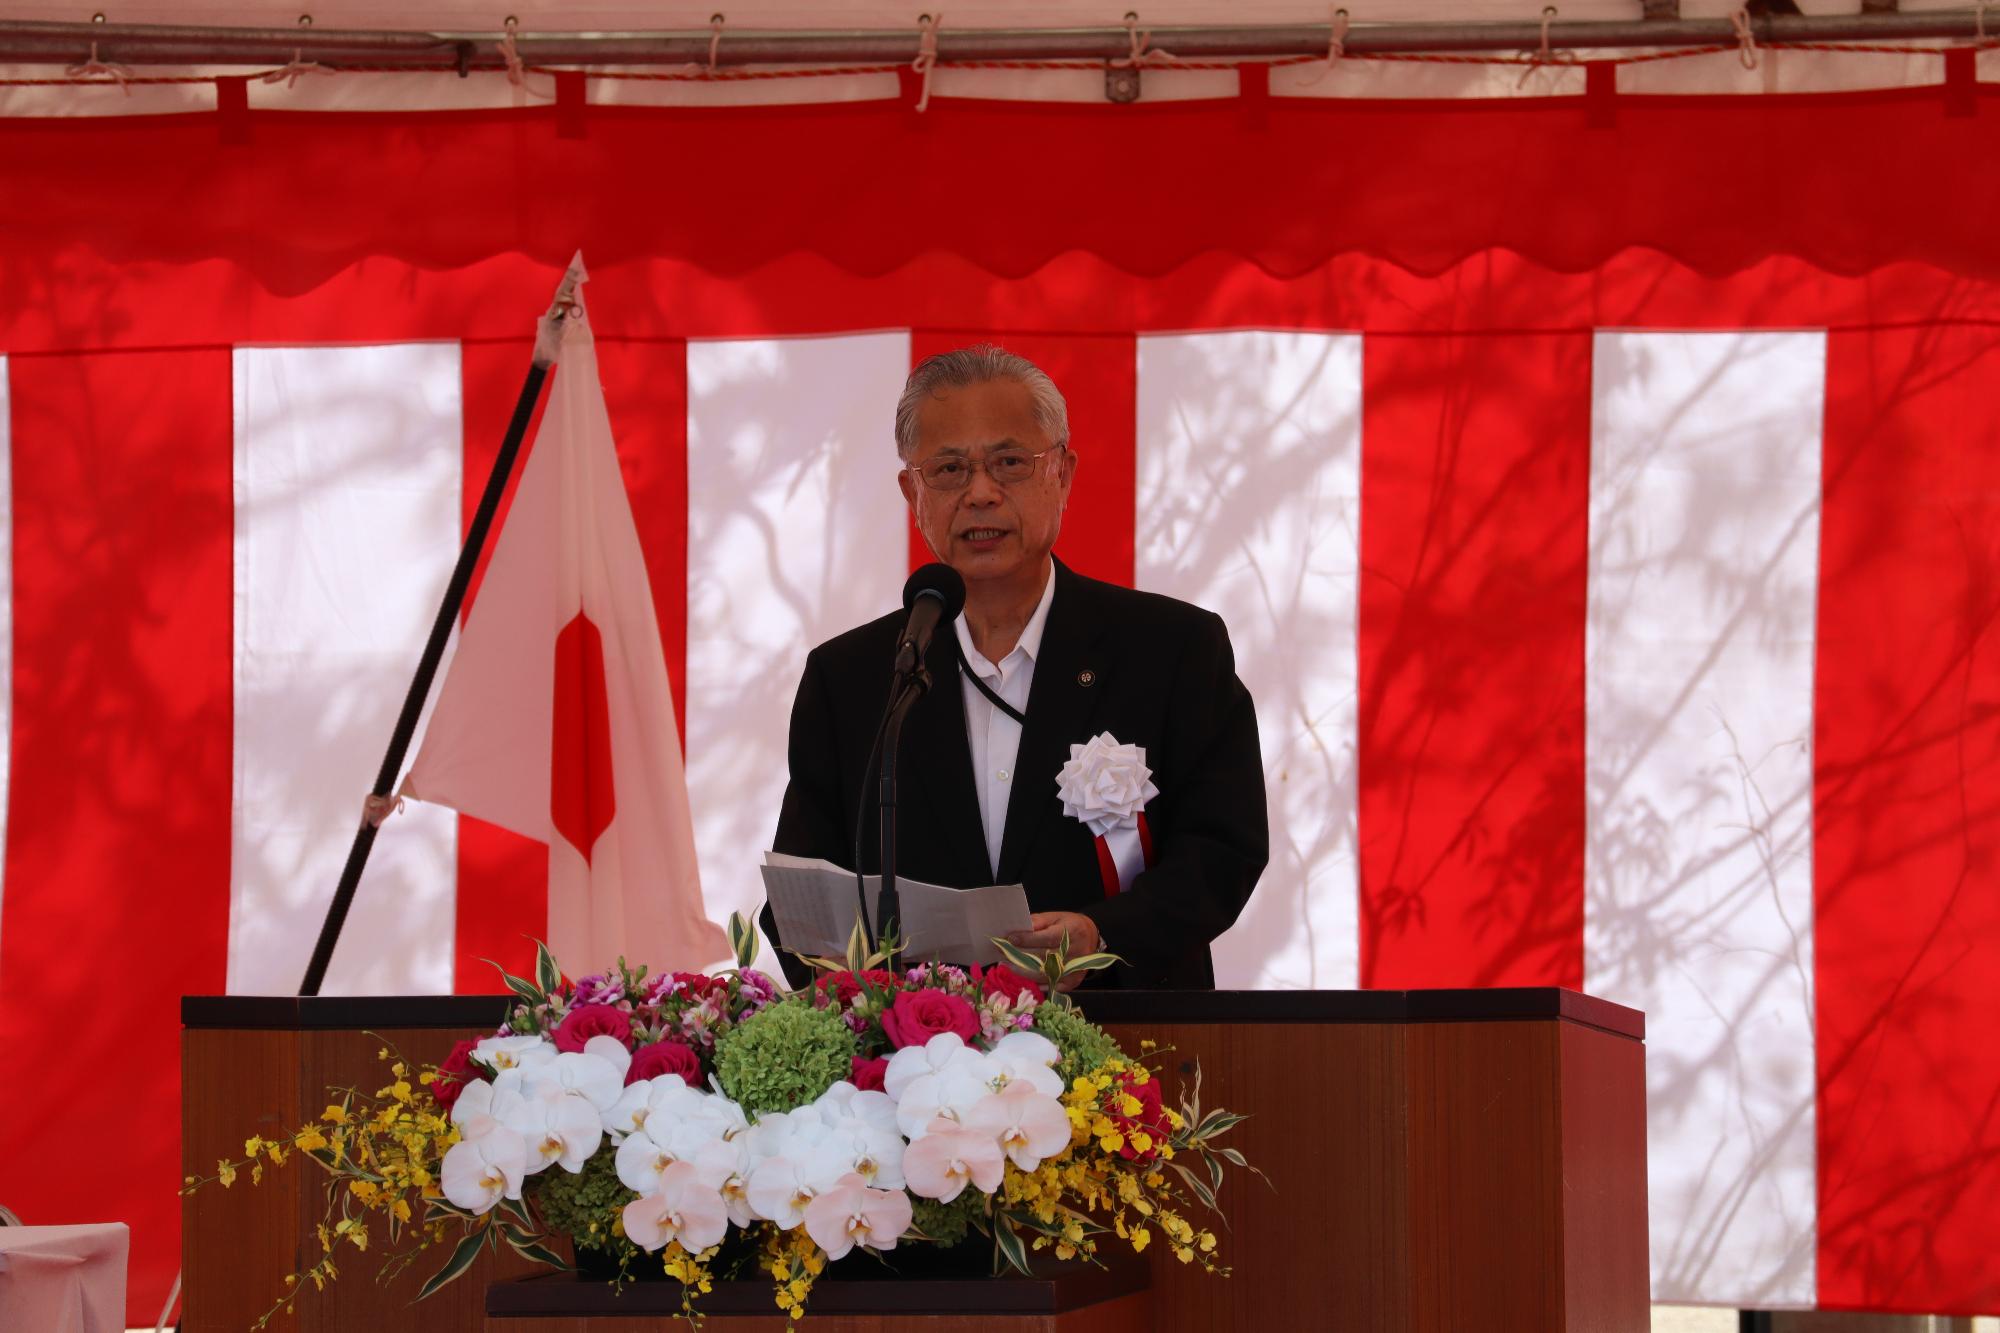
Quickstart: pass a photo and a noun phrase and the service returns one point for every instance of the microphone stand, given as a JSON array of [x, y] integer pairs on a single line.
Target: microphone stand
[[911, 688]]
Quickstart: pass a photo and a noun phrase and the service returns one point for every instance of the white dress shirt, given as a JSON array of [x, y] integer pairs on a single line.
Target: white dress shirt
[[994, 737]]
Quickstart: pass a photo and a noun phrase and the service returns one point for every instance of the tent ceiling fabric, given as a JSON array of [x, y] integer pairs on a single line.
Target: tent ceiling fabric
[[639, 16]]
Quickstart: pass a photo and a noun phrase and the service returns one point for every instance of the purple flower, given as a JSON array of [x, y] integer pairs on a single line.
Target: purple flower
[[604, 988], [756, 988]]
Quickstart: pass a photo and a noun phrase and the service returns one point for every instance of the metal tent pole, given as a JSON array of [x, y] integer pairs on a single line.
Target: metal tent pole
[[144, 44]]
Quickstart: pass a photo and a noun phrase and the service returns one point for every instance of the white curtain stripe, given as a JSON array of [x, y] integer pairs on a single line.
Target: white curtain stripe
[[795, 534], [1249, 501], [347, 476], [1704, 550]]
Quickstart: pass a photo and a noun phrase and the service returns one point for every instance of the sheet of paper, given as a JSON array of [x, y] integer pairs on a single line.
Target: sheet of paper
[[958, 925], [813, 904]]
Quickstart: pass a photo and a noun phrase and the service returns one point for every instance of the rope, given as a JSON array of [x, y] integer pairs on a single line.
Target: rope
[[1336, 46], [289, 75], [1140, 53], [1543, 56], [94, 70], [926, 60], [1746, 41]]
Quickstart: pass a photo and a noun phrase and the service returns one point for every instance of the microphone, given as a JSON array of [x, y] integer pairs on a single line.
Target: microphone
[[934, 594]]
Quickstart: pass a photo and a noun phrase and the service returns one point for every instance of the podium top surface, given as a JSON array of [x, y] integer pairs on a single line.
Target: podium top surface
[[1498, 1004]]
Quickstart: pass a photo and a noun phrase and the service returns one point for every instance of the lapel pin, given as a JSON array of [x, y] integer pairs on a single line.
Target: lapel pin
[[1086, 677]]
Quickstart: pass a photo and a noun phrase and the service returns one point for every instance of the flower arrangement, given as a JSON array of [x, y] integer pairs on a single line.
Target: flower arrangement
[[705, 1124]]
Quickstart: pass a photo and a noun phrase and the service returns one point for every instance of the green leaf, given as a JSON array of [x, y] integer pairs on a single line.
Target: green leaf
[[546, 974], [524, 989], [817, 963], [743, 940], [1017, 958], [454, 1267], [1233, 1157], [1214, 1171], [1201, 1191], [857, 945], [541, 1254], [1217, 1123], [1091, 962], [1091, 1226], [1008, 1248]]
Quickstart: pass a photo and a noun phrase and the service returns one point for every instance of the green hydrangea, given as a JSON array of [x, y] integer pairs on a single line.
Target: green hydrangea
[[1083, 1044], [584, 1205], [947, 1223], [784, 1055]]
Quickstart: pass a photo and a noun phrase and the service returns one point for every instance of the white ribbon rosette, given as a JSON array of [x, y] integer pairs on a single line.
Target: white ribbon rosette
[[1106, 784]]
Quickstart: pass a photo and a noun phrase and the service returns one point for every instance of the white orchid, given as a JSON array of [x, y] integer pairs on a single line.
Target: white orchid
[[503, 1053], [588, 1076], [558, 1126], [844, 1099], [647, 1153], [941, 1053], [1028, 1057], [484, 1106], [611, 1049], [684, 1208], [863, 1133], [852, 1214], [949, 1157], [1026, 1124], [628, 1114], [949, 1093], [778, 1192], [724, 1166], [478, 1173]]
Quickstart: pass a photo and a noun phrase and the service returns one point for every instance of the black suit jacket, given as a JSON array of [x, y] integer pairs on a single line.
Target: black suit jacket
[[1150, 670]]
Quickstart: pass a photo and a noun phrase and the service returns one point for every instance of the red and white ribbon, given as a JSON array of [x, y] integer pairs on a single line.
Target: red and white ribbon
[[1122, 853], [1106, 785]]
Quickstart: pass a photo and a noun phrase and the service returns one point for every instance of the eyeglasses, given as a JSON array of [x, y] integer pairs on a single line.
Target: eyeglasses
[[1009, 467]]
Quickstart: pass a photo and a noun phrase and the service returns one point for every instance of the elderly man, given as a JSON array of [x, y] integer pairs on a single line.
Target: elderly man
[[1041, 660]]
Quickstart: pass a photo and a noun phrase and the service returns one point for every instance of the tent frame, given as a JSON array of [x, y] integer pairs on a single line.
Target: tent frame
[[166, 44]]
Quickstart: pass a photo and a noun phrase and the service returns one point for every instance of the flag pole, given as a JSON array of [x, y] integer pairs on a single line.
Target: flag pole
[[548, 341]]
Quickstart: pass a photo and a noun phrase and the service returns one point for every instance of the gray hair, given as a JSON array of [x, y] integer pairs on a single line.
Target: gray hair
[[976, 365]]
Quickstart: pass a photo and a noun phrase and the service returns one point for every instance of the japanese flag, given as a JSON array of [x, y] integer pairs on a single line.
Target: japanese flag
[[556, 718]]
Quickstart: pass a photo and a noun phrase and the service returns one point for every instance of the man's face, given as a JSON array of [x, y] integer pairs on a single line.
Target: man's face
[[988, 530]]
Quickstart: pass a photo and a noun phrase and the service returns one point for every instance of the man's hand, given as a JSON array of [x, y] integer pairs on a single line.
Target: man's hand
[[1046, 930]]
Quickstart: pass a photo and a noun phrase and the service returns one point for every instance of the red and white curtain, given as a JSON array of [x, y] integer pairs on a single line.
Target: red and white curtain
[[1620, 624]]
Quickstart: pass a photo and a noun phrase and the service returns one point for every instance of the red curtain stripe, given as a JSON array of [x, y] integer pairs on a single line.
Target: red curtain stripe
[[1906, 823], [118, 822], [1848, 182], [1475, 476]]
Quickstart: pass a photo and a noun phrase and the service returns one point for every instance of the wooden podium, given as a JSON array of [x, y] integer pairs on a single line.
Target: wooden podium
[[1439, 1161]]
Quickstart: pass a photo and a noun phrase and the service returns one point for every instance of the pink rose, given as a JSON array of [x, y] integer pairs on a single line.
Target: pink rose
[[665, 1057], [592, 1020], [455, 1073], [1003, 980], [867, 1074], [919, 1015]]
